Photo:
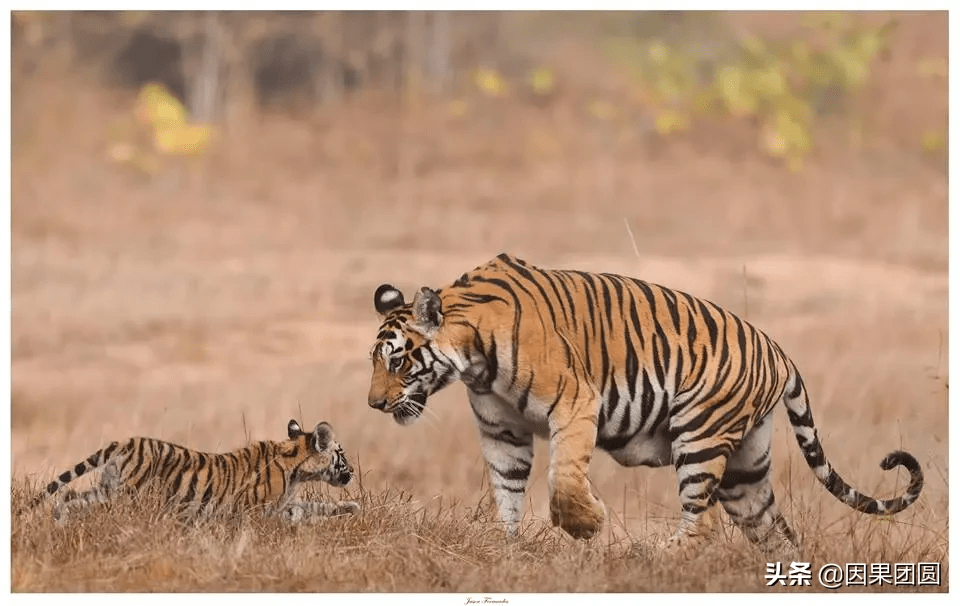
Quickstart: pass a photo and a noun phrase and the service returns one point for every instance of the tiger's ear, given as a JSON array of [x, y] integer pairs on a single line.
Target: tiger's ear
[[322, 434], [293, 429], [426, 312], [386, 298]]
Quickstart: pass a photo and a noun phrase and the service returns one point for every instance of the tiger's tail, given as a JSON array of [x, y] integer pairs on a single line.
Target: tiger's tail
[[801, 418], [97, 459]]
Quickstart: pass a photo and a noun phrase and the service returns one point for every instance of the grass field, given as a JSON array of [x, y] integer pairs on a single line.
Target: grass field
[[209, 306]]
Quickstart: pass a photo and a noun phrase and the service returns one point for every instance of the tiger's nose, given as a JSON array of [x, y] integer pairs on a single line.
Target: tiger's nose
[[378, 404]]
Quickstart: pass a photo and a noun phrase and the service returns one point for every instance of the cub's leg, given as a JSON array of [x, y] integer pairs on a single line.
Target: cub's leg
[[508, 451], [102, 492], [298, 511]]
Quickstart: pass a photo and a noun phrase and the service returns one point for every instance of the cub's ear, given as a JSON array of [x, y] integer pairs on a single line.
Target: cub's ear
[[386, 298], [293, 429], [322, 435], [426, 312]]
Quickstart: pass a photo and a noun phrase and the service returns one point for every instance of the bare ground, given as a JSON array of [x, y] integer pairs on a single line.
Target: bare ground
[[211, 307]]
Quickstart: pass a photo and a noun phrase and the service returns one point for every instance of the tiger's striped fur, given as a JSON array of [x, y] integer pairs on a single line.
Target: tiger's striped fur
[[263, 474], [651, 375]]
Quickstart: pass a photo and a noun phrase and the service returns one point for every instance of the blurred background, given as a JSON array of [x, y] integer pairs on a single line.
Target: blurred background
[[203, 204]]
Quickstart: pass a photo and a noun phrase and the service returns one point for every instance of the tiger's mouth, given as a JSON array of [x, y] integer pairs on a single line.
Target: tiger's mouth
[[341, 478], [409, 409]]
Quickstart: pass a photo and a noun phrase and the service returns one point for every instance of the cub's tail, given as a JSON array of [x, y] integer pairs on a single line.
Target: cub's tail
[[97, 459]]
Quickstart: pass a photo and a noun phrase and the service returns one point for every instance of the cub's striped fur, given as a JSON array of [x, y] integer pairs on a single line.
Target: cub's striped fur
[[653, 376], [263, 474]]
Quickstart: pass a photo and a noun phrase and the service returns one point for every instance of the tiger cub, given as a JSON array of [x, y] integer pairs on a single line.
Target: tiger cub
[[261, 475]]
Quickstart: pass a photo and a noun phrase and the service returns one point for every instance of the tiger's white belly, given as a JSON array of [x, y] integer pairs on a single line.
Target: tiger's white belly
[[644, 449]]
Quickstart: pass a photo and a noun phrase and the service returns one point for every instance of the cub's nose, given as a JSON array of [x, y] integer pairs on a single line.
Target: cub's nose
[[345, 477], [378, 404]]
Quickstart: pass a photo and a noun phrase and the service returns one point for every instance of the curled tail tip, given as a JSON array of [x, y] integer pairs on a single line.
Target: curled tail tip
[[901, 458], [906, 460]]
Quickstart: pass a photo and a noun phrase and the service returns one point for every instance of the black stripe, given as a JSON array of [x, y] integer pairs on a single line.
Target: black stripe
[[694, 508], [561, 384], [697, 478], [549, 277], [138, 458], [707, 454], [797, 387], [520, 472], [646, 398], [616, 441], [713, 330], [479, 298], [515, 337], [737, 477]]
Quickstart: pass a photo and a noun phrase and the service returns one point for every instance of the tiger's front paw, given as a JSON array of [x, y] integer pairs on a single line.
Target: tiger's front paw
[[348, 508], [577, 512], [682, 544]]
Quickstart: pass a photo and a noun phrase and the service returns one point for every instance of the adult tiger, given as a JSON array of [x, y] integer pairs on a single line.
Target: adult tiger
[[650, 375]]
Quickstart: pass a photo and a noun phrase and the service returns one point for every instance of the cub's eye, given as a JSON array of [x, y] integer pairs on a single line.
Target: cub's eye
[[395, 364]]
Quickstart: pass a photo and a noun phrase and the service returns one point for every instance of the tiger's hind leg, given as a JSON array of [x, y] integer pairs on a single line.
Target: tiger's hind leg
[[698, 479], [700, 463], [746, 494]]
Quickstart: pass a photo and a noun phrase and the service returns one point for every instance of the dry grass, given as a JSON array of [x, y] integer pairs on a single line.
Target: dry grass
[[400, 544], [210, 308]]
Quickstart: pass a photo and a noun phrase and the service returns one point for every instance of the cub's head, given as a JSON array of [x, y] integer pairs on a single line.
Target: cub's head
[[408, 365], [322, 456]]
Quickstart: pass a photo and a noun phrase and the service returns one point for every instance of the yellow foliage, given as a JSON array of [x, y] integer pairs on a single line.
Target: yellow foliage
[[780, 83], [739, 100], [542, 81], [182, 139], [670, 121], [490, 82], [934, 140], [773, 141], [769, 81], [165, 120], [854, 70], [658, 52], [156, 106], [753, 45]]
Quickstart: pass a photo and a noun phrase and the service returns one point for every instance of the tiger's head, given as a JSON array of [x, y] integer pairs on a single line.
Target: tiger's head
[[408, 363], [322, 456]]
